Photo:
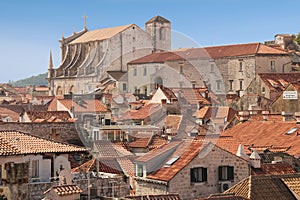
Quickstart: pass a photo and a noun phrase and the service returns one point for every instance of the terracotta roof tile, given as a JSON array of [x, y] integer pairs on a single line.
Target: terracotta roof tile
[[49, 116], [16, 143], [85, 167], [293, 184], [167, 173], [126, 165], [142, 113], [155, 197], [5, 112], [273, 169], [209, 52], [64, 190], [192, 96], [267, 133], [264, 187], [100, 34], [84, 105]]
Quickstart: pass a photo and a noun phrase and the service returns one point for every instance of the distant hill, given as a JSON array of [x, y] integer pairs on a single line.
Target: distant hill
[[34, 80]]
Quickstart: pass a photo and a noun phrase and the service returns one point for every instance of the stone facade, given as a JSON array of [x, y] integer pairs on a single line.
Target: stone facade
[[181, 182]]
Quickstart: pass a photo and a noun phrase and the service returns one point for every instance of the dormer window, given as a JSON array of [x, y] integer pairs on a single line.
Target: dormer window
[[139, 171]]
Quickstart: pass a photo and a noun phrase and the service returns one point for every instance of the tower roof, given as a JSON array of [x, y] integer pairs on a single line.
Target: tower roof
[[254, 155], [158, 19], [50, 61]]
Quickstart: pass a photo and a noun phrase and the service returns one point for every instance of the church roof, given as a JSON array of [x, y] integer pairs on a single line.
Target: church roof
[[158, 19], [100, 34]]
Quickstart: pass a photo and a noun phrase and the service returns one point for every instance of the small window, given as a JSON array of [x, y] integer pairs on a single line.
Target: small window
[[241, 84], [134, 72], [218, 84], [241, 66], [263, 89], [145, 71], [272, 65], [181, 69], [230, 85], [198, 174], [212, 67], [124, 87], [139, 170], [226, 173]]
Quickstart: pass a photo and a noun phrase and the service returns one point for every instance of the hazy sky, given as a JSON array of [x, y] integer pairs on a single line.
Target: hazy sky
[[31, 28]]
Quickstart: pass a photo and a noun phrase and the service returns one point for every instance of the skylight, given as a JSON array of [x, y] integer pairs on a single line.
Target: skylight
[[171, 161], [291, 131]]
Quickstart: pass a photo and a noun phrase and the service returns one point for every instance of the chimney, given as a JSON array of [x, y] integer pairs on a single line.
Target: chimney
[[297, 116], [255, 160], [244, 115], [241, 152], [265, 114], [286, 116]]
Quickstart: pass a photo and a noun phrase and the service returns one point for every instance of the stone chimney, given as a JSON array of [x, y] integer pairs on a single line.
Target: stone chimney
[[286, 116], [255, 159], [297, 116], [244, 115], [265, 114], [241, 152]]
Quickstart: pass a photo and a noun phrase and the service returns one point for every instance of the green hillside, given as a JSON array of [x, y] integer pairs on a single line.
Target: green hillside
[[34, 80]]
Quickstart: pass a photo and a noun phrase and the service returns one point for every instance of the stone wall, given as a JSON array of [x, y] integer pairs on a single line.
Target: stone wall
[[59, 131]]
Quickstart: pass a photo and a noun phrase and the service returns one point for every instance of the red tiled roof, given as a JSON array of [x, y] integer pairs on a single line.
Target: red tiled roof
[[155, 197], [49, 116], [277, 82], [85, 167], [142, 113], [18, 143], [5, 112], [192, 96], [273, 169], [267, 133], [64, 190], [167, 173], [84, 106], [209, 52]]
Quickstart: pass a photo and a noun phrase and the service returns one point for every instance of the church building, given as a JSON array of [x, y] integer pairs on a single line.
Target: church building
[[88, 55]]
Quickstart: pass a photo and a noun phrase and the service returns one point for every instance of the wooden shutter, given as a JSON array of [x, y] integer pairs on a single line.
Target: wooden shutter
[[230, 173], [204, 174]]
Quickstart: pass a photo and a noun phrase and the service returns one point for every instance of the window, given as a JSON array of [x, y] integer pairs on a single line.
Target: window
[[96, 135], [272, 65], [181, 69], [212, 67], [35, 169], [198, 174], [139, 170], [145, 71], [161, 35], [124, 87], [241, 84], [134, 72], [218, 84], [226, 173], [263, 89], [230, 85], [241, 66]]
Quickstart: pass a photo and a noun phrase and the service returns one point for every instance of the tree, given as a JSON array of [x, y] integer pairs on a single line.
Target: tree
[[297, 39]]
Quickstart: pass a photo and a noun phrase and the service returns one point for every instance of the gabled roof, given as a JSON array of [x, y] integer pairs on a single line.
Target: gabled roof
[[89, 105], [213, 52], [267, 133], [264, 187], [155, 197], [142, 113], [107, 149], [100, 34], [5, 112], [18, 143], [158, 19], [192, 95], [277, 82], [189, 153]]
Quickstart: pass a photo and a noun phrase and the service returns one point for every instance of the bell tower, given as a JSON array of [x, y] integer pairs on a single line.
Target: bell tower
[[160, 30]]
